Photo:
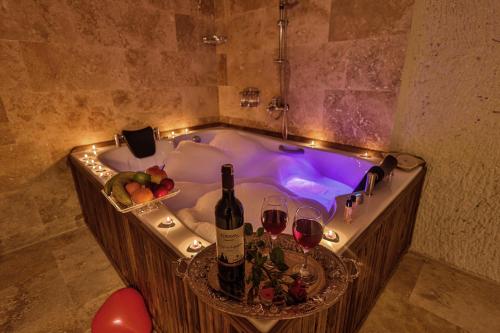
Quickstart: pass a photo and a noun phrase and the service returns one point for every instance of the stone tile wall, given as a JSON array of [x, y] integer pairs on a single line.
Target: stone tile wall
[[74, 72], [449, 113], [346, 58]]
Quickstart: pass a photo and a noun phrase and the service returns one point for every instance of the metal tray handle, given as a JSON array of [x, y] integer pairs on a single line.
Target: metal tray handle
[[181, 267], [352, 263]]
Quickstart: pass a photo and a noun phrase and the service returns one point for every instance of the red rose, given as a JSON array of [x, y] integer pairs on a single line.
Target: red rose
[[266, 294], [298, 291]]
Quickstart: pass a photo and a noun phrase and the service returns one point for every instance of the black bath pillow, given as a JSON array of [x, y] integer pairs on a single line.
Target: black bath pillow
[[141, 142]]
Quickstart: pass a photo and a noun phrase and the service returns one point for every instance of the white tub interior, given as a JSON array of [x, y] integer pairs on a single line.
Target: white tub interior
[[314, 178]]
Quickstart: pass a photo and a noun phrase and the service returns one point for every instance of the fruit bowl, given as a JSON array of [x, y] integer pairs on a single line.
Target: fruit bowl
[[136, 190], [127, 209]]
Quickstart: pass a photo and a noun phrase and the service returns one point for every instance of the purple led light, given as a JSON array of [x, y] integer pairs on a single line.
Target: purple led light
[[321, 189]]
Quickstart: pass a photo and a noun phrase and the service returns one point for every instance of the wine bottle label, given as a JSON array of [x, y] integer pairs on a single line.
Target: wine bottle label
[[230, 245]]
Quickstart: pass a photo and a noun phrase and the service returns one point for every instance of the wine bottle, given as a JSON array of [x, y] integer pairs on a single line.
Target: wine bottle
[[230, 238], [382, 170]]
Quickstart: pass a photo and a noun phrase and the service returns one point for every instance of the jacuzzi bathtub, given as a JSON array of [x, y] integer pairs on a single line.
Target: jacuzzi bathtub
[[378, 235], [316, 177], [319, 177]]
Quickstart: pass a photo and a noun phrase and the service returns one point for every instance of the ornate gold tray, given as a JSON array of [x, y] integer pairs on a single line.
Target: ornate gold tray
[[291, 258], [199, 274]]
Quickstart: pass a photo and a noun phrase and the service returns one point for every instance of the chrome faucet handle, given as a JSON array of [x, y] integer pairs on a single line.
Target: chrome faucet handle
[[156, 133], [119, 138]]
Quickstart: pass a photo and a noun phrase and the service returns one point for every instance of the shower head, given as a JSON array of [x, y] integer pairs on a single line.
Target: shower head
[[214, 39]]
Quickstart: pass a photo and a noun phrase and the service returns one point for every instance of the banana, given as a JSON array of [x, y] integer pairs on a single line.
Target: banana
[[119, 192], [118, 188], [108, 187], [109, 184]]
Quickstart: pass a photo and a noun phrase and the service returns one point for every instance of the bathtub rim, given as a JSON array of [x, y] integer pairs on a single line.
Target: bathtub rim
[[297, 139]]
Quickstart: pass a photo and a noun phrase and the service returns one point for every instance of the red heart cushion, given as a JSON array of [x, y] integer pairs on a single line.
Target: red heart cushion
[[123, 312]]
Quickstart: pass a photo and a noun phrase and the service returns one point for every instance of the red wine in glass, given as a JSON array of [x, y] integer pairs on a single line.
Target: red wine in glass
[[274, 221], [307, 233], [274, 214]]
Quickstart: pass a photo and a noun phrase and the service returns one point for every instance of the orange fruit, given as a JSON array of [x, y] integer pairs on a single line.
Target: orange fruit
[[142, 195], [132, 187]]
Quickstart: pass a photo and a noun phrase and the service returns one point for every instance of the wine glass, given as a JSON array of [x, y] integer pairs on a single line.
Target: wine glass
[[307, 232], [274, 215]]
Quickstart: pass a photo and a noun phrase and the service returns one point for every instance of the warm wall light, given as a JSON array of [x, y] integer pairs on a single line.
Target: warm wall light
[[173, 134], [313, 143], [186, 131]]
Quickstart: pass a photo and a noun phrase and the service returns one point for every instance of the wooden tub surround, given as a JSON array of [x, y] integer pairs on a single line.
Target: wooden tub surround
[[145, 261]]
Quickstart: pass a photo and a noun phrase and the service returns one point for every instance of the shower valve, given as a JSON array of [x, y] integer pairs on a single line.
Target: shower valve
[[276, 107]]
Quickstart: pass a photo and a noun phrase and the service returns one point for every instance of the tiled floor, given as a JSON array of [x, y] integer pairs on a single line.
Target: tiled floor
[[427, 296], [57, 285]]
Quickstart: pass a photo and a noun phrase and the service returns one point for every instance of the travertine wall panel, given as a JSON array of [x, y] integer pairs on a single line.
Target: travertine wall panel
[[367, 18], [449, 113], [74, 72], [362, 62], [68, 67]]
